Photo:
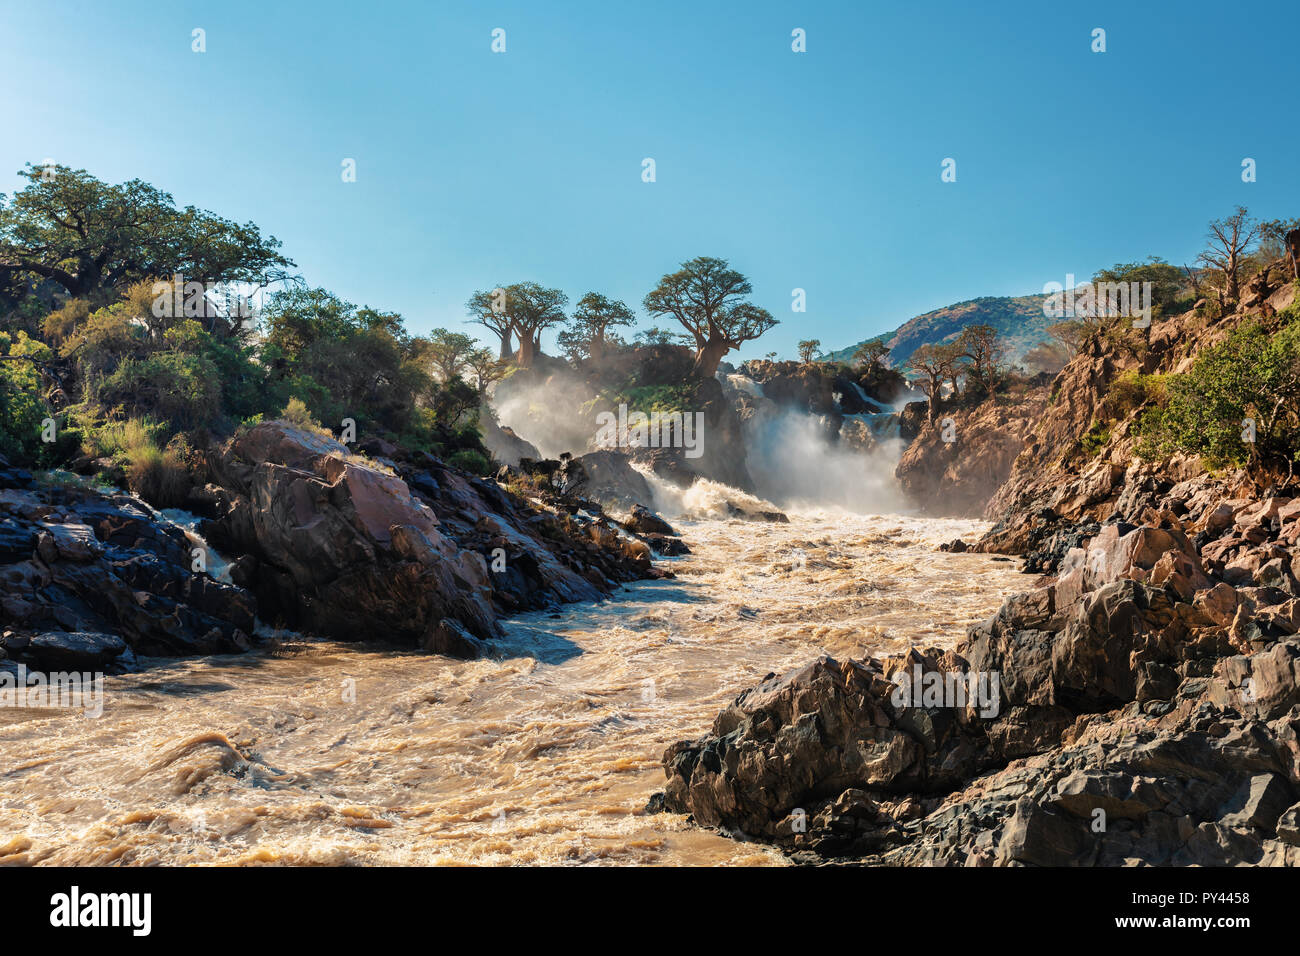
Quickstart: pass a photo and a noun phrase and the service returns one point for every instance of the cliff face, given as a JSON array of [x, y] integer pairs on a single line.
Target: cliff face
[[957, 477], [1055, 473]]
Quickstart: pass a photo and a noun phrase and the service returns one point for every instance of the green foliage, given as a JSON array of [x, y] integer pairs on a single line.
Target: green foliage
[[1095, 438], [663, 398], [470, 460], [296, 413], [22, 408], [1129, 391], [92, 237], [1253, 376]]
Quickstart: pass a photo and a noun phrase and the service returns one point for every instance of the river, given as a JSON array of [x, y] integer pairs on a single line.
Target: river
[[329, 753]]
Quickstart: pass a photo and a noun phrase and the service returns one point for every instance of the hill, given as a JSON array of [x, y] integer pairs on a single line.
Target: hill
[[1020, 319]]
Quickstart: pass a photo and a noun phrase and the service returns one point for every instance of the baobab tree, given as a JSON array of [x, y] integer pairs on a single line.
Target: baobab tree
[[982, 345], [707, 297], [489, 310], [870, 354], [1229, 240], [523, 309], [588, 334], [487, 370], [935, 364]]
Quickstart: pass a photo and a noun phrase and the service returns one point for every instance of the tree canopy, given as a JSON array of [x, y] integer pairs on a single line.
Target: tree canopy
[[91, 237], [707, 297]]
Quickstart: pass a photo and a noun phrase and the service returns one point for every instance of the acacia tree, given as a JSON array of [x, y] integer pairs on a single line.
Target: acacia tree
[[808, 348], [1069, 335], [588, 335], [489, 310], [92, 238], [707, 297], [1229, 239]]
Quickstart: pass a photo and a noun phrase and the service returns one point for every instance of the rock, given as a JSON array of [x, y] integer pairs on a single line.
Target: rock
[[644, 521], [76, 651], [353, 550], [100, 564], [67, 542], [1288, 826], [1257, 803], [668, 547]]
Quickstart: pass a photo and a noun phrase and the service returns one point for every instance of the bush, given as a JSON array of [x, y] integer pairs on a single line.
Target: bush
[[296, 413], [469, 460], [1251, 378]]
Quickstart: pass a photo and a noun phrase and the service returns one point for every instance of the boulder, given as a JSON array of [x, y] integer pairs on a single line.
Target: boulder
[[74, 651]]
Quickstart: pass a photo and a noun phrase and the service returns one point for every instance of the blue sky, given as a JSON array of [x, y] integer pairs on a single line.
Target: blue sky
[[818, 170]]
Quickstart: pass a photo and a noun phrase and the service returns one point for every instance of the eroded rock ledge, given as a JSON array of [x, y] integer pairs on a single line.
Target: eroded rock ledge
[[1148, 714]]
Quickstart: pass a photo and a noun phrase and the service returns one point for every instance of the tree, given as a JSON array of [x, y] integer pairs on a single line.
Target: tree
[[588, 335], [982, 345], [1280, 239], [935, 364], [1238, 404], [1069, 335], [657, 336], [807, 349], [707, 297], [91, 237], [487, 370], [489, 311], [1229, 239], [870, 354], [1047, 357], [448, 353], [1166, 280], [295, 318], [532, 308]]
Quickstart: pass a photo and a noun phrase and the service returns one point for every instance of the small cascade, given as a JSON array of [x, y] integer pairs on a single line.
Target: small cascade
[[218, 567], [867, 399], [743, 383]]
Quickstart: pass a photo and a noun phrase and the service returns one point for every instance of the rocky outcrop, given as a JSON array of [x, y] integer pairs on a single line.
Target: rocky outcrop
[[1074, 481], [404, 549], [505, 446], [89, 580], [1125, 730], [958, 460]]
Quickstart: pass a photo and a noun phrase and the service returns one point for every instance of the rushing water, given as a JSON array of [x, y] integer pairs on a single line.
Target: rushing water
[[320, 752]]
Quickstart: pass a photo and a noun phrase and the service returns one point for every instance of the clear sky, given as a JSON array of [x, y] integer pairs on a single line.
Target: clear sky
[[817, 170]]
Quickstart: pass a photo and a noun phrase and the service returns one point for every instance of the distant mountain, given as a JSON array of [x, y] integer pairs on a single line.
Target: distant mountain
[[1020, 319]]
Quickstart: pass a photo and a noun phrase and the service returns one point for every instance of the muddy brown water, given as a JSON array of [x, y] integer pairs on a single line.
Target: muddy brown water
[[330, 753]]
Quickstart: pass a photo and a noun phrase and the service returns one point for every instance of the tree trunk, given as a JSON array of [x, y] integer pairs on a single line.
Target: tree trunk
[[708, 358], [506, 345], [527, 348]]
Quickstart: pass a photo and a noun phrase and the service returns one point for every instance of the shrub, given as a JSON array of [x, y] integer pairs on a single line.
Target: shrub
[[297, 413], [469, 460], [1252, 377]]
